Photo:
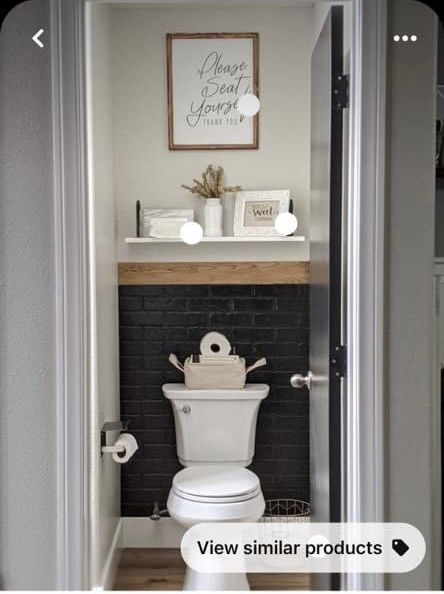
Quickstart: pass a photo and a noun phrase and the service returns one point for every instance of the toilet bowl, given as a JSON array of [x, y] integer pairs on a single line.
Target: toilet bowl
[[213, 493], [215, 437]]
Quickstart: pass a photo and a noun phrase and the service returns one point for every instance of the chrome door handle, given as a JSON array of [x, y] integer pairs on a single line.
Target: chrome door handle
[[301, 381]]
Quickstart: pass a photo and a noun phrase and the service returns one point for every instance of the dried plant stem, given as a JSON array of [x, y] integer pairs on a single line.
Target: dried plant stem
[[211, 185]]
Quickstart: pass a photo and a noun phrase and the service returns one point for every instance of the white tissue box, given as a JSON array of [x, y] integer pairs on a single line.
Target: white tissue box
[[167, 228], [165, 222]]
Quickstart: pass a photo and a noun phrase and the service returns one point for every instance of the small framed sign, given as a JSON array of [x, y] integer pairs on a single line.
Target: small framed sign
[[207, 74], [255, 211]]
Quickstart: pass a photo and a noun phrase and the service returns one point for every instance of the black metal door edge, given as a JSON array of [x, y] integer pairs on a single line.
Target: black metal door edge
[[335, 313]]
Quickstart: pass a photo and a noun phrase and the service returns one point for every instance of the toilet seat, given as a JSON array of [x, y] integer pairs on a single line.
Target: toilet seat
[[215, 493], [216, 484]]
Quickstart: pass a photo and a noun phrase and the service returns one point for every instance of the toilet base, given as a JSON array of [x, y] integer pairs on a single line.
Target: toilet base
[[195, 580], [187, 512]]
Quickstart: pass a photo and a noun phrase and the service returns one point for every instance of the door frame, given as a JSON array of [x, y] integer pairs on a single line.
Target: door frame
[[363, 476], [364, 431], [72, 294]]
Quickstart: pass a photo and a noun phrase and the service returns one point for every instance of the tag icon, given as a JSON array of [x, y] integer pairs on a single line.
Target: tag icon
[[399, 546]]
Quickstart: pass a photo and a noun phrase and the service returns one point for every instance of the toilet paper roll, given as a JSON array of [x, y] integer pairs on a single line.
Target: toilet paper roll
[[215, 343], [129, 442]]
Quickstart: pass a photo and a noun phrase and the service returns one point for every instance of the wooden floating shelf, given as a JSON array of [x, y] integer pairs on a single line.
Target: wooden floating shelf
[[223, 239], [213, 273]]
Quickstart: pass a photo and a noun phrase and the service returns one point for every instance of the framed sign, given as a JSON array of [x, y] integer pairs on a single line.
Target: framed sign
[[256, 211], [207, 74]]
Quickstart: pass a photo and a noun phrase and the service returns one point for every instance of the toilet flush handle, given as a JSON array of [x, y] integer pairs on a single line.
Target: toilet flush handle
[[186, 409], [301, 381]]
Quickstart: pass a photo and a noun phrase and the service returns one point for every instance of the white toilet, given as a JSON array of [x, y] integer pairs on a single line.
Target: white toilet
[[215, 435]]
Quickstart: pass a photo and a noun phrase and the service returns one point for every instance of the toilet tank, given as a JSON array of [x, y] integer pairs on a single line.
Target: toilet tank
[[215, 426]]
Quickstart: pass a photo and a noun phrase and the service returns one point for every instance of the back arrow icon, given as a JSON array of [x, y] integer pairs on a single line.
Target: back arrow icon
[[36, 39]]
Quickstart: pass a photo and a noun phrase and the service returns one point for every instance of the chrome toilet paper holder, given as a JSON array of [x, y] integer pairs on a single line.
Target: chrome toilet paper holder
[[111, 427]]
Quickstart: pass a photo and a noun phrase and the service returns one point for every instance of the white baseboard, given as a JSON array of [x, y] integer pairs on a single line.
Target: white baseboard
[[143, 533], [112, 560]]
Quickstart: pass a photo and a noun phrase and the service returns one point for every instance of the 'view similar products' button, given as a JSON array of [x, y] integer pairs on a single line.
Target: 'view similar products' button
[[306, 547]]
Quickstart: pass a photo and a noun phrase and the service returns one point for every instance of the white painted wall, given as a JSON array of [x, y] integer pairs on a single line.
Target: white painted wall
[[145, 169], [410, 313], [321, 8], [105, 488], [439, 207], [28, 503]]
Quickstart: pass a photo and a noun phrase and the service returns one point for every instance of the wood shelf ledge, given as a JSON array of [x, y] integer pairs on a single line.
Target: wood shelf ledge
[[213, 273]]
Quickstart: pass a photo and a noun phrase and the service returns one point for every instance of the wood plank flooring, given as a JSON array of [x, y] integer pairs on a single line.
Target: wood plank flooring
[[164, 569]]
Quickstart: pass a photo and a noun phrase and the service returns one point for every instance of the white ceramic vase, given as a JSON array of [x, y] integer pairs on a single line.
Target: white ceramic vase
[[213, 214]]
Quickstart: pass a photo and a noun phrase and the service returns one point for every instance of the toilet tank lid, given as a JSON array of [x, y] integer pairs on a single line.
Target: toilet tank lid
[[249, 392]]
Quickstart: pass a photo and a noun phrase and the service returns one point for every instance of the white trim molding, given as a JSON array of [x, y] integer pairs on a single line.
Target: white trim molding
[[112, 559], [144, 533], [438, 364], [71, 289], [364, 462]]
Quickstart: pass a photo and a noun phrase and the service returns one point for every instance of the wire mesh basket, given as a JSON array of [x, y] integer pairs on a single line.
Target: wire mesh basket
[[286, 520], [286, 510]]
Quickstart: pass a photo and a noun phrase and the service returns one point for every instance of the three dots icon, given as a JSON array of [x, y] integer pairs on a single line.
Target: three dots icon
[[405, 38]]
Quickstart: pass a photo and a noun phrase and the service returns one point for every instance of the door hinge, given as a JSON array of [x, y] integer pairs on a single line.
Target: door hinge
[[338, 361], [340, 86]]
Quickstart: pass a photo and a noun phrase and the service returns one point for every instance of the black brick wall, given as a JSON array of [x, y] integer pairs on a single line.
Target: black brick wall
[[260, 320]]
